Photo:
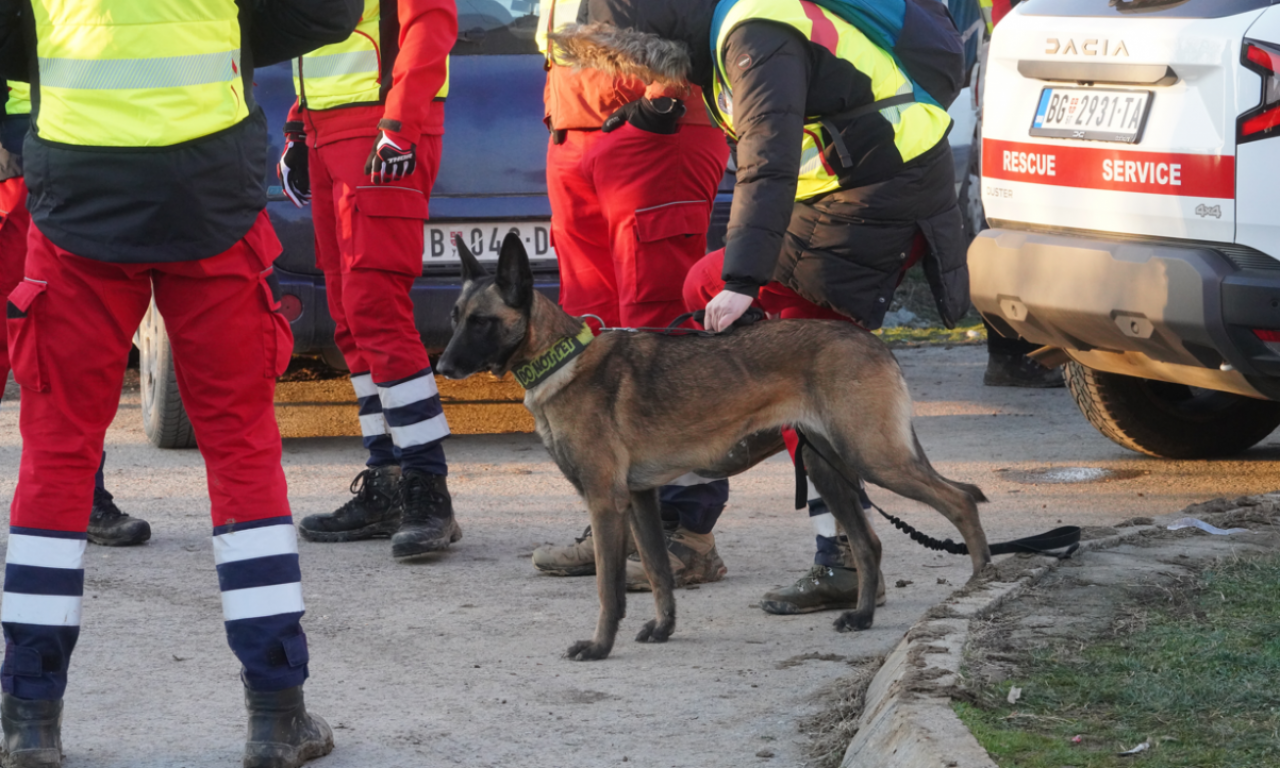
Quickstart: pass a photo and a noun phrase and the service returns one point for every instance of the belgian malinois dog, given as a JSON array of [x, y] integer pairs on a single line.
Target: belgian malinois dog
[[624, 413]]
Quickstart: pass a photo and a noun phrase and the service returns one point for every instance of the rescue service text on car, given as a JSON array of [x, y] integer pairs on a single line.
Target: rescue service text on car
[[1127, 175]]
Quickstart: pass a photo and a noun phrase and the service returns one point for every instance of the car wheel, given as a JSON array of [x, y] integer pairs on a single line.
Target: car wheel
[[164, 419], [1172, 421]]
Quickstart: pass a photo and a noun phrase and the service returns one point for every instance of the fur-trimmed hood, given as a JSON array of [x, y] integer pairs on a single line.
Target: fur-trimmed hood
[[658, 41]]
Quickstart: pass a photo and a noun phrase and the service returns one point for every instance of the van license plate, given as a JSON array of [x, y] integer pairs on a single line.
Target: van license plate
[[1092, 114], [484, 239]]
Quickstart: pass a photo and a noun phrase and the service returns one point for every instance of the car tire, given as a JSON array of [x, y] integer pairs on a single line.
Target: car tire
[[1171, 421], [164, 419]]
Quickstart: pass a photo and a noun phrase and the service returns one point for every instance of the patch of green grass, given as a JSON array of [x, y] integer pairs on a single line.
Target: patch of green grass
[[969, 332], [1201, 680]]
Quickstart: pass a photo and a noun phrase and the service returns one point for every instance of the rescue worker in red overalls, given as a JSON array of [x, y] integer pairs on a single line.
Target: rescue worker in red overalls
[[146, 178], [108, 526], [363, 145], [632, 174]]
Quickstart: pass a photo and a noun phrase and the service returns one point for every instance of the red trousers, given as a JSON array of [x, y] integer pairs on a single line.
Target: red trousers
[[70, 324], [14, 221], [369, 246], [629, 217]]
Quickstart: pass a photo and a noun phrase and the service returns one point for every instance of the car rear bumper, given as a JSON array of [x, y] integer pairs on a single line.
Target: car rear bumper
[[433, 298], [1180, 312]]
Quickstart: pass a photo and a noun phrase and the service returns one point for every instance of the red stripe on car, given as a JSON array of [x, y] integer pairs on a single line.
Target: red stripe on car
[[1121, 170]]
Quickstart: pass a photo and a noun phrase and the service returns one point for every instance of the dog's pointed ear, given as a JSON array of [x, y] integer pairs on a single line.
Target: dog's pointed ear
[[515, 279], [472, 269]]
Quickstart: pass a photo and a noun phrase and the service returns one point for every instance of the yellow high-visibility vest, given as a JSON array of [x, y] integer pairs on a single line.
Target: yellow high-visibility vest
[[19, 102], [554, 16], [917, 126], [985, 5], [123, 73], [350, 72]]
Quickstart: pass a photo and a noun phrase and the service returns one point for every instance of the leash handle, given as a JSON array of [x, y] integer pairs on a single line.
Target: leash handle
[[753, 314]]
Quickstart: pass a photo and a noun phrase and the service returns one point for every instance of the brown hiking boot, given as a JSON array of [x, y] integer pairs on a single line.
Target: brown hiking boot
[[823, 588], [576, 559], [693, 557]]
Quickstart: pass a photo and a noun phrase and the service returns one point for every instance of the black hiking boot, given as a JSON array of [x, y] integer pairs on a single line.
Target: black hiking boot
[[372, 513], [1005, 370], [110, 527], [32, 733], [428, 524], [281, 733]]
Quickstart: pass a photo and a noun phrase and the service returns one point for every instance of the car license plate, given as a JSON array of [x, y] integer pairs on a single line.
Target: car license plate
[[1092, 114], [484, 239]]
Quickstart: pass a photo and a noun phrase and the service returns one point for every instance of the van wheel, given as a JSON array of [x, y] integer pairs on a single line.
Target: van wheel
[[163, 417], [1172, 421]]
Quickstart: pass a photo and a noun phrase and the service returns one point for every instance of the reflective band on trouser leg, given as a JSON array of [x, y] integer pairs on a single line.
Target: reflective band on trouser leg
[[262, 600], [416, 421], [40, 612], [820, 517], [373, 426]]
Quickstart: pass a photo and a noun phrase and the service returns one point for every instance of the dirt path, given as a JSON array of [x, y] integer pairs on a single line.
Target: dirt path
[[457, 662]]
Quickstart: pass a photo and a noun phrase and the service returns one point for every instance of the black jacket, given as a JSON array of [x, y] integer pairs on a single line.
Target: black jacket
[[787, 81], [180, 203]]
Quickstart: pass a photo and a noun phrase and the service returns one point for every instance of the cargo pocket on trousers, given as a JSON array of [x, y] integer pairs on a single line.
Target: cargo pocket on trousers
[[389, 229], [670, 238], [23, 335], [277, 335]]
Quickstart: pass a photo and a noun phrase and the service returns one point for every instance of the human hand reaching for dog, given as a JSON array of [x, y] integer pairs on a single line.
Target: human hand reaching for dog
[[724, 309]]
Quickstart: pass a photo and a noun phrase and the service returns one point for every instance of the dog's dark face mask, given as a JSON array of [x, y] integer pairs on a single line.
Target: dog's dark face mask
[[491, 317]]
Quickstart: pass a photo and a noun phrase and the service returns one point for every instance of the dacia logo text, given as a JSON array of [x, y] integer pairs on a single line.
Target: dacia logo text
[[1092, 47]]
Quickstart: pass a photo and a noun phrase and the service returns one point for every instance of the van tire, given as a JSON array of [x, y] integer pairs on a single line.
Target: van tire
[[164, 419], [1171, 421]]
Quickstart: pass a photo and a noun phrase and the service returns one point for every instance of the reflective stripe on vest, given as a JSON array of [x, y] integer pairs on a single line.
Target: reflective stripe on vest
[[19, 102], [553, 16], [349, 72], [179, 81], [917, 127]]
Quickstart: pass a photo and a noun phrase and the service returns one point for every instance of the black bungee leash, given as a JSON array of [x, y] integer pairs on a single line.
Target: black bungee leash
[[1067, 536]]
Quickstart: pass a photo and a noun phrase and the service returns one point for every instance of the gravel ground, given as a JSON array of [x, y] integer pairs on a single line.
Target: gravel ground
[[457, 661]]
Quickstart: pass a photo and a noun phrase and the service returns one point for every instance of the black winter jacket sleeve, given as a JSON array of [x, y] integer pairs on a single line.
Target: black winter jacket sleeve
[[280, 30], [769, 70]]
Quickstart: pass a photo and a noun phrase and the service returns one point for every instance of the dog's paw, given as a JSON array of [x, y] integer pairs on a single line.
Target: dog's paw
[[653, 632], [854, 621], [587, 650]]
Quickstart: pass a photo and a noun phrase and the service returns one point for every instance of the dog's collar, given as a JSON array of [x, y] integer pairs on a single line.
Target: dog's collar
[[534, 372]]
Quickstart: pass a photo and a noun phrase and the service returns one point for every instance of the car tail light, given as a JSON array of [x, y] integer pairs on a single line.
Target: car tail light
[[1267, 334], [1262, 121]]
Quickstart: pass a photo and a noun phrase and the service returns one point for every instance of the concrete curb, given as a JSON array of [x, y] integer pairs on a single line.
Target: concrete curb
[[907, 720]]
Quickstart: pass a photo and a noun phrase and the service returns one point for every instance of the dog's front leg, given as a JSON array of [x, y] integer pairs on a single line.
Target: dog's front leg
[[609, 533], [646, 529]]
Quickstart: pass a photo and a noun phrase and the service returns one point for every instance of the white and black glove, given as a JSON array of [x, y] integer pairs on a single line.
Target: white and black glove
[[393, 156]]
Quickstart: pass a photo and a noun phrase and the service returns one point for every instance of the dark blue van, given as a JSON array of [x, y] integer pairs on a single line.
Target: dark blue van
[[492, 179]]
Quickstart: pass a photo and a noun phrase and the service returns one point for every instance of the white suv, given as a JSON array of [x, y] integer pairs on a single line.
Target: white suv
[[1130, 163]]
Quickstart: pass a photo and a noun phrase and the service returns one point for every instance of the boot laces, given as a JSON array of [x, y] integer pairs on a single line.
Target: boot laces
[[104, 506], [364, 487], [419, 497], [586, 534]]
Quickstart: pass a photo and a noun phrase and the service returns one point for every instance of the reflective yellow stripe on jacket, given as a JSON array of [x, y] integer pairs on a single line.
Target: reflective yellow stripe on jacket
[[918, 127], [19, 102], [349, 72], [558, 14], [175, 65]]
